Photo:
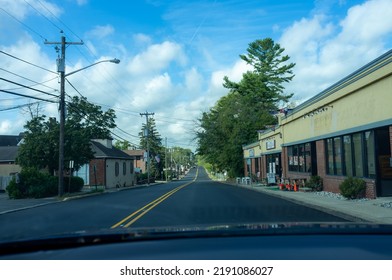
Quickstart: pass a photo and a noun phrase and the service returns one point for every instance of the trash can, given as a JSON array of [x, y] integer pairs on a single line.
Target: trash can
[[238, 180]]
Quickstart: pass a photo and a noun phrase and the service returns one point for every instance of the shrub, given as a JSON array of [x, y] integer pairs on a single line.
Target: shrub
[[16, 190], [32, 184], [47, 188], [353, 188], [76, 184], [315, 183]]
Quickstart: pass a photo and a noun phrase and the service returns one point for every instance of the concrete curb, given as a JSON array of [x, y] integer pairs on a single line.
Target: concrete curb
[[28, 207]]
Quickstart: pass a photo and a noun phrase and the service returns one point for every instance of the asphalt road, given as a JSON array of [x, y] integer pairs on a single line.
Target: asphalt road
[[194, 200]]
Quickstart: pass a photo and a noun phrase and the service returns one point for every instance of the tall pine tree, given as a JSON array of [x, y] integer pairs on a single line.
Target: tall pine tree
[[236, 117]]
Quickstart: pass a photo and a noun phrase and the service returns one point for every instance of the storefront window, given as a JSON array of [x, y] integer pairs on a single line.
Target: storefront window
[[337, 147], [291, 159], [352, 155], [348, 157], [330, 169], [308, 159], [299, 157], [370, 154], [295, 158], [358, 156]]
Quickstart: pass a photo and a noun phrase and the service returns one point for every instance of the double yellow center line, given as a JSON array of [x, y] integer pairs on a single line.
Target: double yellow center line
[[132, 218]]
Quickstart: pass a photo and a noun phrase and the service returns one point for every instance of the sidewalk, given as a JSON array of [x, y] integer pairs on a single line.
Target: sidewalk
[[377, 210]]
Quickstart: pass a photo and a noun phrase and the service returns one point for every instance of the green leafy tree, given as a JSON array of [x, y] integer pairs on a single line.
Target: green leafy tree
[[181, 156], [236, 117], [123, 145], [39, 148], [85, 121]]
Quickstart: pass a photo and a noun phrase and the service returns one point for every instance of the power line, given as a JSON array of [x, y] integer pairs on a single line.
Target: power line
[[36, 83], [19, 106], [24, 86], [10, 55], [27, 96], [74, 87], [42, 15], [123, 131], [25, 25], [58, 19]]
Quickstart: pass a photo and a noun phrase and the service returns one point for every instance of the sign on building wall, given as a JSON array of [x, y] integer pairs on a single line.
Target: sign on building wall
[[270, 144], [251, 153]]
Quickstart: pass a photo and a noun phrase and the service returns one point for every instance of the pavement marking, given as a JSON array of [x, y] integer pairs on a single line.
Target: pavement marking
[[126, 222]]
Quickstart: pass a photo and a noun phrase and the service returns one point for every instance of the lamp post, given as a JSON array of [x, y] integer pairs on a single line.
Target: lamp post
[[61, 69]]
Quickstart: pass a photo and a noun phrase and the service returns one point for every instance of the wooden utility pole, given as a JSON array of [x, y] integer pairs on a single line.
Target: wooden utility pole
[[61, 70], [146, 134]]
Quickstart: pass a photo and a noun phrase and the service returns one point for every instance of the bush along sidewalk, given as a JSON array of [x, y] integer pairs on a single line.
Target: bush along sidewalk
[[353, 188], [315, 183], [32, 183]]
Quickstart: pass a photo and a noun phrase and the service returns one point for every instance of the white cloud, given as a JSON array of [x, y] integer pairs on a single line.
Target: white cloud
[[367, 22], [141, 39], [325, 52], [153, 93], [12, 126], [17, 8], [156, 58], [101, 31], [5, 127], [194, 82], [234, 74]]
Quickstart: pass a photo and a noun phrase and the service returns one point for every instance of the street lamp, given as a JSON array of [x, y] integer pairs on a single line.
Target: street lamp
[[61, 69], [114, 60]]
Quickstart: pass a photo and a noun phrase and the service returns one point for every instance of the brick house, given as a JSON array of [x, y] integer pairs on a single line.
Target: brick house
[[139, 161], [110, 167]]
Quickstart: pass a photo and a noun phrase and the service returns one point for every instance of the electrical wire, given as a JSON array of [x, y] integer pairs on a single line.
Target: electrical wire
[[19, 106], [59, 20], [24, 86], [35, 83], [74, 88], [27, 96], [43, 15], [25, 25], [32, 64]]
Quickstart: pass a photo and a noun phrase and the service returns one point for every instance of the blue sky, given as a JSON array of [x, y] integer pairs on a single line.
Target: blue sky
[[174, 54]]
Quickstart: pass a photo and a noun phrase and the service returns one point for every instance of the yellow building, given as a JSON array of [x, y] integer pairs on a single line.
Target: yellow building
[[346, 130]]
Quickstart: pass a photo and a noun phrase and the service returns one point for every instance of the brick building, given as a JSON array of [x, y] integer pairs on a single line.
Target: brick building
[[110, 167]]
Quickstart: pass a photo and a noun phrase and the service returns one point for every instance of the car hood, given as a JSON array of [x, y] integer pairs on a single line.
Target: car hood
[[108, 236]]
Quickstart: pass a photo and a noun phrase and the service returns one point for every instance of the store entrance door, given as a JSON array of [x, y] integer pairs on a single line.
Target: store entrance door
[[384, 162], [274, 167]]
